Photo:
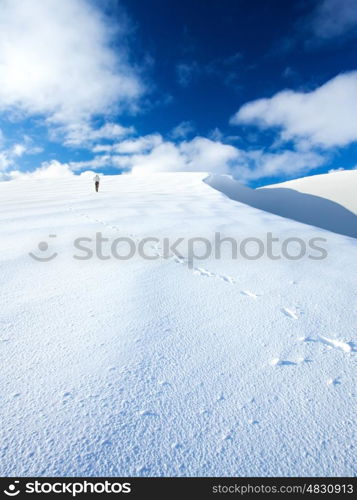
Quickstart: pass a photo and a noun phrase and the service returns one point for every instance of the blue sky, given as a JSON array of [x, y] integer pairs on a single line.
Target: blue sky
[[265, 90]]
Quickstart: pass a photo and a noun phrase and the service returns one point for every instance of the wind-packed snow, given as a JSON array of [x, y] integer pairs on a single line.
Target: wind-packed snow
[[338, 186], [218, 367], [327, 200]]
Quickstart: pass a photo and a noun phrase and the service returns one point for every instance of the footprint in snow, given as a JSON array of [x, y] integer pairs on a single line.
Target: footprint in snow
[[290, 313], [228, 279], [204, 272], [304, 360], [334, 381], [66, 397], [331, 343], [249, 294], [306, 339], [336, 343], [281, 362], [147, 413], [164, 383], [179, 260]]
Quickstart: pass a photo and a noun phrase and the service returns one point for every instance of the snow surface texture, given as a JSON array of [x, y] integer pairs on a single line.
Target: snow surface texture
[[339, 186], [328, 201], [155, 368]]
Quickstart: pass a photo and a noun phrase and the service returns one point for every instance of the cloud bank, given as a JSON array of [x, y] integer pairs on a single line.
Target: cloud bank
[[57, 59], [150, 154], [325, 117], [64, 62]]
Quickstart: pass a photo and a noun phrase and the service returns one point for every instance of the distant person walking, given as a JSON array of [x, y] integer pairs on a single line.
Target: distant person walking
[[96, 182]]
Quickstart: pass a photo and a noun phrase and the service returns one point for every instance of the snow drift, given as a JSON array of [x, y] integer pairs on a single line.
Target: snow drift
[[328, 201]]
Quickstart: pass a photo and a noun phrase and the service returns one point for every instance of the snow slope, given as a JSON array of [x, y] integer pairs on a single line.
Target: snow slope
[[156, 367], [339, 187], [328, 201]]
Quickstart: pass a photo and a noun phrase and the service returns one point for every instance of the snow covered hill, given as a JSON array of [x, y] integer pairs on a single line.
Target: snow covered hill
[[171, 366], [339, 187], [328, 201]]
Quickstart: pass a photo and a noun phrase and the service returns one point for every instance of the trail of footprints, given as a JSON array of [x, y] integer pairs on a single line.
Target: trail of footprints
[[346, 347], [178, 260], [330, 343]]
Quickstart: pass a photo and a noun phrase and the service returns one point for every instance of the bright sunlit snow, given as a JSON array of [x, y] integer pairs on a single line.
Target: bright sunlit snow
[[219, 367]]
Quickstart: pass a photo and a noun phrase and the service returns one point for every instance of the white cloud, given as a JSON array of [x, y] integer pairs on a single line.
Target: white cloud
[[97, 162], [182, 130], [333, 170], [10, 154], [18, 150], [324, 117], [333, 18], [258, 164], [48, 170], [83, 134], [200, 154], [139, 145], [216, 134], [57, 60], [5, 161], [165, 157], [131, 146], [150, 154], [206, 155]]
